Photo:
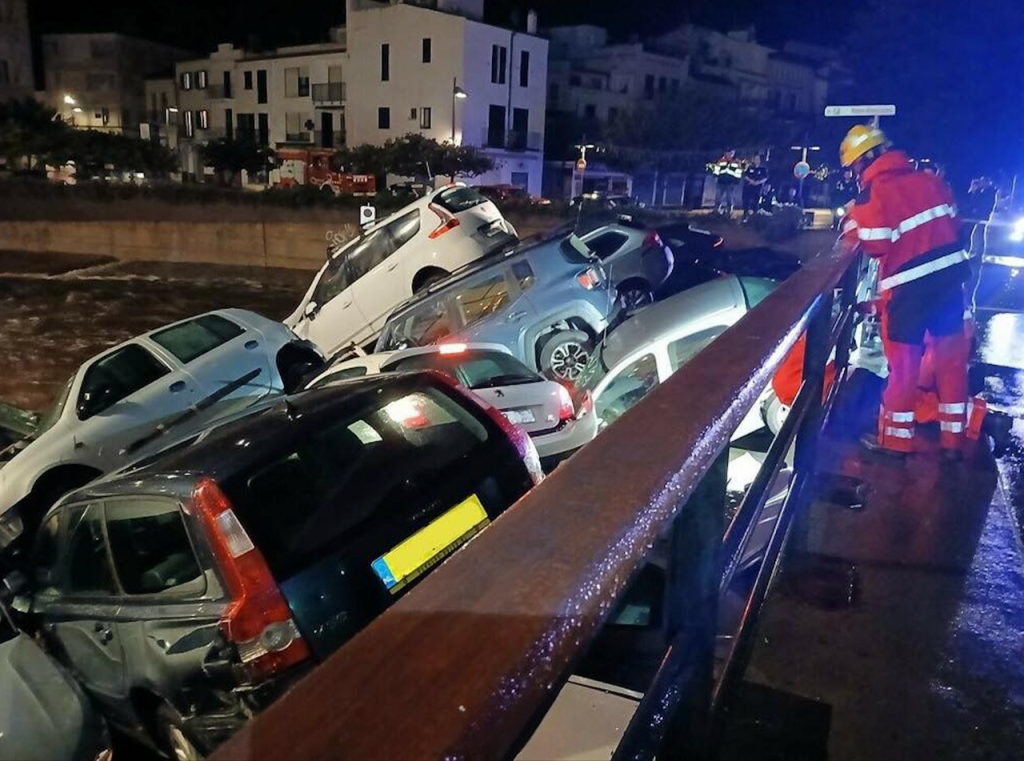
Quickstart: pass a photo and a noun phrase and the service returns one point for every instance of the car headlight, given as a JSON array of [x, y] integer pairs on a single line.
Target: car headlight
[[1018, 231], [840, 211]]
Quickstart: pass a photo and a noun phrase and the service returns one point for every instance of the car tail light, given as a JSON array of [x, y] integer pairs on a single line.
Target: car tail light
[[586, 405], [520, 439], [652, 239], [258, 621], [566, 411], [590, 278], [448, 222], [452, 349]]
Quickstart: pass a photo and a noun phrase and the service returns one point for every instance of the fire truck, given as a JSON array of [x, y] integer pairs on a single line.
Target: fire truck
[[317, 167]]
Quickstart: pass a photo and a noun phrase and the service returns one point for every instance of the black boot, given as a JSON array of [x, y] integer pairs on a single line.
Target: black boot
[[870, 442]]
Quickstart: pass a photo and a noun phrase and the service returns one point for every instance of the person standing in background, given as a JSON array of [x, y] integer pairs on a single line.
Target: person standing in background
[[729, 172], [753, 183]]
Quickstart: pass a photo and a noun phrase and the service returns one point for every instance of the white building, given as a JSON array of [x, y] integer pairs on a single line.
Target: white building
[[429, 67], [16, 79]]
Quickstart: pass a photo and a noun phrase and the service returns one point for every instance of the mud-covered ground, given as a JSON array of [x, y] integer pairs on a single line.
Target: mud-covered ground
[[58, 310]]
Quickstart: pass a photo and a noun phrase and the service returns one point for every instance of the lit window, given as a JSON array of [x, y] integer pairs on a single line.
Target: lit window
[[190, 128], [425, 118], [186, 80], [201, 80], [203, 118]]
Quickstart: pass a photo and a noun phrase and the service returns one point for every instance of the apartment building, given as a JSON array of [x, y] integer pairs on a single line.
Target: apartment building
[[98, 81], [161, 125], [16, 78], [428, 67]]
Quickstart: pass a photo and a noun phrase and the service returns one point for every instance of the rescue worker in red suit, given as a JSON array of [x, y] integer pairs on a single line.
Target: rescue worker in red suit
[[907, 220]]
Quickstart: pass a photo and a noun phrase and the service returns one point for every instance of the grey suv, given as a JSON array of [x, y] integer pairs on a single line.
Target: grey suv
[[549, 302]]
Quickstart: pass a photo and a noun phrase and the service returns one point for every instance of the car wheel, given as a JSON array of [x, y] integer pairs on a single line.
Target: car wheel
[[774, 413], [634, 296], [173, 738], [566, 354]]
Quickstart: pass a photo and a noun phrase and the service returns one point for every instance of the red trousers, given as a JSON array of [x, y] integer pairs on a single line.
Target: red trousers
[[948, 356]]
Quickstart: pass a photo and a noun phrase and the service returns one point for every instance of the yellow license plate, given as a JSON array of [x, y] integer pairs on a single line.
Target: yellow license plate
[[430, 545]]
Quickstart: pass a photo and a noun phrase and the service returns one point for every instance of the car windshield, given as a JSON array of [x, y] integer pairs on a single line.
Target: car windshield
[[49, 418], [473, 368], [454, 200]]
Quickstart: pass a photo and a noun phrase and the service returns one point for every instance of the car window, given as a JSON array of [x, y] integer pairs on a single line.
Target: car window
[[682, 350], [87, 570], [386, 458], [427, 324], [118, 375], [482, 299], [45, 552], [756, 289], [151, 549], [334, 280], [404, 229], [606, 244], [454, 200], [473, 368], [194, 338], [371, 251], [628, 388], [52, 414], [523, 273], [338, 375]]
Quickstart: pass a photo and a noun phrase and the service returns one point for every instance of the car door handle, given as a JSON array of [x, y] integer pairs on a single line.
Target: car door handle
[[177, 386], [516, 316], [346, 305], [392, 267], [250, 345]]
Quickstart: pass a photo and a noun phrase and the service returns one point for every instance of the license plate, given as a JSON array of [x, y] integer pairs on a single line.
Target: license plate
[[405, 562], [520, 417]]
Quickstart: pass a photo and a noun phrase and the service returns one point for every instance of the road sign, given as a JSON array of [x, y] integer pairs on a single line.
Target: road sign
[[801, 170], [581, 165], [860, 110]]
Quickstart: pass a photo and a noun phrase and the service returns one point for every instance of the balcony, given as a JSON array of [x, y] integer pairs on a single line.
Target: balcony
[[512, 140], [218, 92], [299, 137], [329, 94]]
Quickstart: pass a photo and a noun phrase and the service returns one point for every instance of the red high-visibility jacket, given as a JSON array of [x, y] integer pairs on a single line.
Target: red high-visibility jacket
[[907, 218]]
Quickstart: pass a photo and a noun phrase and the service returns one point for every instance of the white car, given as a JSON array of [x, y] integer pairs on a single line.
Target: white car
[[121, 401], [644, 351], [543, 408], [353, 294]]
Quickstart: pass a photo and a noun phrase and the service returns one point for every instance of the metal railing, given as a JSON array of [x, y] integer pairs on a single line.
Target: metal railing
[[513, 140], [329, 92], [467, 663]]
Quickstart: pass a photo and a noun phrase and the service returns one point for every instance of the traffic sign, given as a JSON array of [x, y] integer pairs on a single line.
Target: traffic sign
[[801, 170], [581, 165], [860, 110]]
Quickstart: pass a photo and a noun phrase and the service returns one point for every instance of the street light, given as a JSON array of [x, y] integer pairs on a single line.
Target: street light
[[68, 100], [457, 94], [77, 110]]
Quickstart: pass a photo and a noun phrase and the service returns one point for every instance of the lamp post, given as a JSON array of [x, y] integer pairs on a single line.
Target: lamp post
[[803, 160], [457, 94]]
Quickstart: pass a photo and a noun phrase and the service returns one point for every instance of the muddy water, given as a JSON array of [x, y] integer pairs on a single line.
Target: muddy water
[[50, 324]]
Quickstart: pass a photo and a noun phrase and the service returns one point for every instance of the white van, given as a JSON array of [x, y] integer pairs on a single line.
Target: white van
[[355, 291]]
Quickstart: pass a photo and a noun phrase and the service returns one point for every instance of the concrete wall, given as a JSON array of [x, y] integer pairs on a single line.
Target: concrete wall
[[299, 245]]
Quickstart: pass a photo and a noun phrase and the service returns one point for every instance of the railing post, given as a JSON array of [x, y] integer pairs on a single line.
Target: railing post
[[692, 608], [815, 360]]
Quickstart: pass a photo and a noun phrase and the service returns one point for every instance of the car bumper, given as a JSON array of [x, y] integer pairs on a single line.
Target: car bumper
[[561, 444]]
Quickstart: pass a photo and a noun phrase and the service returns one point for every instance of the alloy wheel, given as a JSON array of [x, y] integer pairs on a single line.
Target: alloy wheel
[[569, 359]]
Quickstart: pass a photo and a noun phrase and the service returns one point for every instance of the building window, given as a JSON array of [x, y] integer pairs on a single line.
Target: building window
[[675, 85], [261, 86], [575, 80], [229, 124], [190, 125], [296, 82], [385, 62], [227, 85], [649, 86], [590, 111], [263, 128], [613, 113], [247, 80], [5, 73], [383, 118], [662, 84], [524, 68], [201, 80], [247, 127], [163, 102], [105, 116], [295, 129], [412, 114], [96, 82], [186, 80], [426, 50], [304, 82], [499, 62], [203, 119], [425, 118], [595, 83]]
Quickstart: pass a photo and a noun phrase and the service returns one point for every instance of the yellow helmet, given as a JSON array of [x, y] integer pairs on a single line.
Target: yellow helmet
[[859, 141]]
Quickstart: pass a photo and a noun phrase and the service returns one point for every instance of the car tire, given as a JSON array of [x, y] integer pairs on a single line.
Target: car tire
[[774, 413], [565, 354], [173, 738], [635, 295]]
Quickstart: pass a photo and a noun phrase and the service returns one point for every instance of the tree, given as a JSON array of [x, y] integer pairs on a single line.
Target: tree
[[229, 157], [30, 131], [414, 156]]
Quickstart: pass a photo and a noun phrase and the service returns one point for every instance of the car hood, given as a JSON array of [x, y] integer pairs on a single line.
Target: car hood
[[44, 715]]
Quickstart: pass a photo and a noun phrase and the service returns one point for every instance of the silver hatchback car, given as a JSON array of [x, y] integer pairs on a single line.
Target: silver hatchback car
[[548, 303]]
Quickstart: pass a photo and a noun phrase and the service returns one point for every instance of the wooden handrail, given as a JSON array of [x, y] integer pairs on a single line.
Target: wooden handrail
[[461, 666]]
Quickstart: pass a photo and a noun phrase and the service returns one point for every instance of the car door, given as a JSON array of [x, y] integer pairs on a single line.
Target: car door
[[78, 599], [624, 388], [332, 319], [380, 281], [227, 361], [123, 397]]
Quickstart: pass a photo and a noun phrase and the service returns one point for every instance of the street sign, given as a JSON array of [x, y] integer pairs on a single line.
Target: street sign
[[367, 215], [801, 170], [860, 110], [581, 165]]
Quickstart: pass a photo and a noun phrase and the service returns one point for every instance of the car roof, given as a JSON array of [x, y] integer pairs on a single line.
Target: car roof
[[231, 445], [664, 317]]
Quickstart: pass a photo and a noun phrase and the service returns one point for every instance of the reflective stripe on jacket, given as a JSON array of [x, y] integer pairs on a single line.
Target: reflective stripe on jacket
[[907, 219]]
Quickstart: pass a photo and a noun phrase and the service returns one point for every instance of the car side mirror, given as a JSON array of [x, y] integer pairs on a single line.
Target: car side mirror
[[311, 309], [95, 401]]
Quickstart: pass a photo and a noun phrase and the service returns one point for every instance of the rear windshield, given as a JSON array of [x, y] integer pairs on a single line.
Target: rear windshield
[[473, 368], [575, 251], [455, 200], [383, 460]]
